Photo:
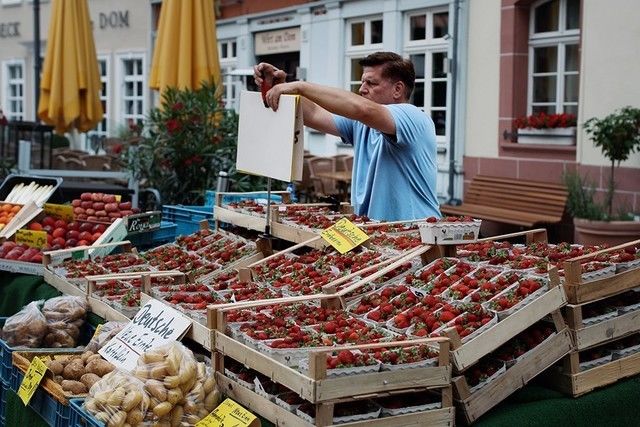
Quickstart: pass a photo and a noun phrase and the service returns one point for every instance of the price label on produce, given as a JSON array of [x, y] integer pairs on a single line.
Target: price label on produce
[[229, 414], [31, 380], [60, 211], [344, 235], [32, 238]]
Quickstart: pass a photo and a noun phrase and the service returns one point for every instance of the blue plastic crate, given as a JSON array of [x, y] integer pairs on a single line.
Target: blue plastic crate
[[6, 352], [210, 197], [187, 218], [56, 414], [165, 234], [79, 417], [4, 387]]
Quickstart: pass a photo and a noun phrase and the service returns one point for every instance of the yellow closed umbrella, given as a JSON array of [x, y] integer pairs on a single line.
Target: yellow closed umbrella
[[70, 85], [186, 51]]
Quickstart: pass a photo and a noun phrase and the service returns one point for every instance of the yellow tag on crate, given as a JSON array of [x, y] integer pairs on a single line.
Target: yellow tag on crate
[[344, 235], [32, 238], [229, 414], [60, 211], [32, 379], [98, 329]]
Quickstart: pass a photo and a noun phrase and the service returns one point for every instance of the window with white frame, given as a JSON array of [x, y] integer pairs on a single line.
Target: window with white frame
[[102, 129], [554, 57], [13, 102], [364, 36], [227, 50], [426, 45], [132, 89]]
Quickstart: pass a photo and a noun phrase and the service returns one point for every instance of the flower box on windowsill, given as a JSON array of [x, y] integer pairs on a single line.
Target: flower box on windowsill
[[555, 136]]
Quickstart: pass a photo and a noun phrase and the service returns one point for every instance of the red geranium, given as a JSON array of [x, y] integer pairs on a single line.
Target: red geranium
[[546, 121]]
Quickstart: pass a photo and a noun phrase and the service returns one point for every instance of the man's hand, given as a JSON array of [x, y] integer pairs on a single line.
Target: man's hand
[[272, 97], [266, 71]]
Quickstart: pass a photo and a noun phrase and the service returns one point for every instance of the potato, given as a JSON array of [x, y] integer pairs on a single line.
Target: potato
[[117, 419], [162, 409], [55, 367], [102, 417], [91, 406], [142, 372], [86, 355], [176, 416], [171, 381], [156, 389], [152, 357], [131, 400], [188, 373], [158, 372], [74, 387], [212, 400], [99, 367], [116, 397], [89, 379], [209, 384], [74, 370], [102, 397], [94, 356], [135, 417], [174, 396], [190, 408]]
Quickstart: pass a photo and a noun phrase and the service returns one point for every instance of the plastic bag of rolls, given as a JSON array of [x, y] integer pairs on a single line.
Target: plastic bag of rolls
[[65, 316]]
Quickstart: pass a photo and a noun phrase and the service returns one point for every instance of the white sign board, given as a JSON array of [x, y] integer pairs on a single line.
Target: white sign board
[[155, 324], [277, 41], [270, 143]]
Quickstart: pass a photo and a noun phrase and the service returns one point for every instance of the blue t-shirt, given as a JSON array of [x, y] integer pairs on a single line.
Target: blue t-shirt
[[394, 180]]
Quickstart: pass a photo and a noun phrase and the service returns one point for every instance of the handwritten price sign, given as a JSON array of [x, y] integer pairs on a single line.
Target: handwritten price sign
[[229, 414], [344, 235], [31, 380], [32, 238]]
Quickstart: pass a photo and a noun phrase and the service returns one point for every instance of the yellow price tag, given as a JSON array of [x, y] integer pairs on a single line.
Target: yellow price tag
[[229, 414], [35, 239], [344, 235], [118, 198], [97, 332], [60, 211], [32, 379]]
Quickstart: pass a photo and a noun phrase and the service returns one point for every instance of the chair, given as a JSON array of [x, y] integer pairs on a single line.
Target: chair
[[322, 186], [304, 188], [347, 163], [97, 162], [339, 159]]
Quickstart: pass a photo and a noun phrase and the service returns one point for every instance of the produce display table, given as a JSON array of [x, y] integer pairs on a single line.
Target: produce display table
[[533, 405]]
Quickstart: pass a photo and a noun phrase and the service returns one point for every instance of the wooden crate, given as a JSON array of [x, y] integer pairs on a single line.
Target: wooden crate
[[251, 222], [467, 354], [63, 284], [586, 336], [578, 383], [580, 293], [325, 392], [473, 405]]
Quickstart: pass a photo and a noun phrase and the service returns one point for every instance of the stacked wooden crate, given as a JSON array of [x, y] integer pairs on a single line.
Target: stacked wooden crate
[[597, 336]]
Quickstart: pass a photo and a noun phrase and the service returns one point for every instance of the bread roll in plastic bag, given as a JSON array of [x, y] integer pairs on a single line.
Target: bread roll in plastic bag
[[107, 331], [175, 382], [118, 399], [65, 316], [26, 328]]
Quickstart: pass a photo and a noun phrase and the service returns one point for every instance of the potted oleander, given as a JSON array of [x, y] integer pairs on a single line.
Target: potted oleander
[[618, 136]]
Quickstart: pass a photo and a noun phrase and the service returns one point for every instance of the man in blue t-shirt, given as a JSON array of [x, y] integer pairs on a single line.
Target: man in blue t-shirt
[[394, 168]]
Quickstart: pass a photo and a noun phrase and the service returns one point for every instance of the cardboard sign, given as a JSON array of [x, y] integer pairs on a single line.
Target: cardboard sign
[[344, 235], [153, 326], [229, 414], [116, 232], [32, 238], [31, 380], [59, 211], [270, 143]]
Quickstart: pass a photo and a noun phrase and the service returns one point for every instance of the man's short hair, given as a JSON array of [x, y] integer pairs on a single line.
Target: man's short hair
[[395, 67]]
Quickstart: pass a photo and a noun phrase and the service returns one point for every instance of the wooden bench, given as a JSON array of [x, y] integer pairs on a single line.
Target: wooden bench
[[511, 201]]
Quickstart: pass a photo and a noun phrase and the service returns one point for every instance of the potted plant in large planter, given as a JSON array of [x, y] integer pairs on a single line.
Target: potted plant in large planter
[[618, 136], [542, 128]]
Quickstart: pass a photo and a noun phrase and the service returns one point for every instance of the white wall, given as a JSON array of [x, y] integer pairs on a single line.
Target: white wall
[[483, 71], [610, 67]]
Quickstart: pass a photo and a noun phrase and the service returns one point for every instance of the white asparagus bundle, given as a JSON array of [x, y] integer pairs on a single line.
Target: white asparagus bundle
[[22, 194]]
